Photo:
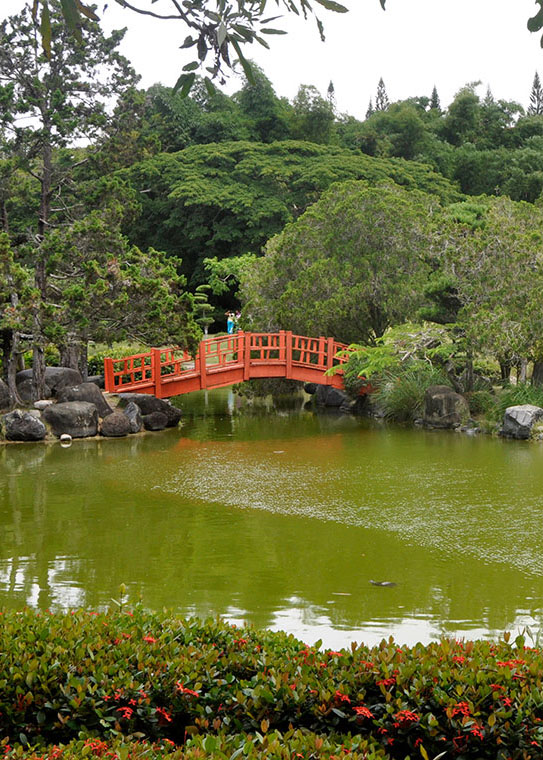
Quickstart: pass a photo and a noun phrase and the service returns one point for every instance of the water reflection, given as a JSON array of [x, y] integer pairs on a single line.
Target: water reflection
[[281, 520]]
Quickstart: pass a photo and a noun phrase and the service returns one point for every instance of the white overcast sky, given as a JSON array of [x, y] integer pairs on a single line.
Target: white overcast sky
[[413, 45]]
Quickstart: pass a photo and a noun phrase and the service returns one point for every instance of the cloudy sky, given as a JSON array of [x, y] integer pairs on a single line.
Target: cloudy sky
[[413, 45]]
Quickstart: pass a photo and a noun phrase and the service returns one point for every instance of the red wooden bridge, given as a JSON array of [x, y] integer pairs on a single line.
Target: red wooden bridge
[[224, 361]]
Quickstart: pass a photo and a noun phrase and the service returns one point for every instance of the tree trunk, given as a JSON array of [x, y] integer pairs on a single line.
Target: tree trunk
[[38, 358], [84, 357], [537, 374], [505, 370], [12, 366], [522, 371], [70, 353]]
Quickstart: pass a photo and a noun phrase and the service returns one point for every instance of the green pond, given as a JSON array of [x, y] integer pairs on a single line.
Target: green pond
[[281, 517]]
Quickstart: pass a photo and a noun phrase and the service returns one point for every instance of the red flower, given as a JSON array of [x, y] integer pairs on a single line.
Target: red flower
[[342, 697], [126, 712], [461, 708], [497, 687], [459, 658], [164, 715], [406, 717], [182, 690], [149, 639], [386, 682], [363, 712], [478, 732]]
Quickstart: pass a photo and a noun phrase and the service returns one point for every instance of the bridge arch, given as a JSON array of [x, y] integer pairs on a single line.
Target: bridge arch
[[226, 360]]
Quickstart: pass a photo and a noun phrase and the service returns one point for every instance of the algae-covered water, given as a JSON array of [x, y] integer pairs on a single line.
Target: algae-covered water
[[281, 518]]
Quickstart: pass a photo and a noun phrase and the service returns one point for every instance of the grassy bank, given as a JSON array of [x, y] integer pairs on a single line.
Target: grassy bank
[[135, 684]]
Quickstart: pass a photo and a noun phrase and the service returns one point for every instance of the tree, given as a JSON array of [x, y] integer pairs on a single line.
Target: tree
[[370, 109], [259, 104], [312, 117], [381, 98], [351, 266], [228, 199], [48, 103], [331, 96], [493, 258], [536, 98], [435, 105]]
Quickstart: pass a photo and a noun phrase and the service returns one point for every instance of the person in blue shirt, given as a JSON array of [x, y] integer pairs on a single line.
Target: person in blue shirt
[[229, 322]]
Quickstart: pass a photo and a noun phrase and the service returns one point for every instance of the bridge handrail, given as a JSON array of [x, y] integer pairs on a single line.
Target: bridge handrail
[[243, 349]]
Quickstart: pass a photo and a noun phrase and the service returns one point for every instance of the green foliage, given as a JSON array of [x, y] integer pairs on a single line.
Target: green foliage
[[358, 257], [400, 392], [514, 395], [226, 199], [98, 352], [215, 690], [225, 274], [481, 402]]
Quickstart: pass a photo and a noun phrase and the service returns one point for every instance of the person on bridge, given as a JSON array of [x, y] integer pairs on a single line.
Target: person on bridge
[[230, 322]]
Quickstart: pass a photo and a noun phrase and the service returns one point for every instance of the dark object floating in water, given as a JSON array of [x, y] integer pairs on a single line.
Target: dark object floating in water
[[383, 583]]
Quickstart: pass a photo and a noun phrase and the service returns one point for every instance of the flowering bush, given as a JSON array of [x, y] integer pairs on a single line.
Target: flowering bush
[[218, 690]]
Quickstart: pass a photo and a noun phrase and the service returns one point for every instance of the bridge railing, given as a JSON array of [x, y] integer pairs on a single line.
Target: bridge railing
[[148, 371]]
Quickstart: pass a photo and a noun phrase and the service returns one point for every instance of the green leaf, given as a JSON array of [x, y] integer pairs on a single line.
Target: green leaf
[[45, 30], [536, 22], [246, 66], [273, 31], [192, 66], [210, 87], [183, 84], [71, 16], [383, 2], [333, 6], [86, 11]]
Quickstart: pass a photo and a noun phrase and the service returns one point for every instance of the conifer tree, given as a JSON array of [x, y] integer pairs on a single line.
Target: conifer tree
[[434, 100], [381, 98], [331, 95], [371, 109], [536, 97]]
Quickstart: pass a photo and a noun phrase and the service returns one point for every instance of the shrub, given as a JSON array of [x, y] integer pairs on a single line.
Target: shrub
[[400, 393], [513, 395], [211, 686], [97, 354], [481, 402]]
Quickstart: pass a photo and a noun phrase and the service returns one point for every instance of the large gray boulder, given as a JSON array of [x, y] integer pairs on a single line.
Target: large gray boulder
[[115, 425], [76, 418], [86, 392], [149, 404], [23, 426], [155, 421], [326, 395], [444, 408], [519, 420], [56, 378], [5, 398], [133, 414]]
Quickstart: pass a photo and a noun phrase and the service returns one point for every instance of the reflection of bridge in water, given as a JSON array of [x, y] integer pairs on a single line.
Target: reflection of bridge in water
[[224, 361]]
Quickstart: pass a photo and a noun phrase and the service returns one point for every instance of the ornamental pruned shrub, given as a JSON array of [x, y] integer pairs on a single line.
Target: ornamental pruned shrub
[[224, 691]]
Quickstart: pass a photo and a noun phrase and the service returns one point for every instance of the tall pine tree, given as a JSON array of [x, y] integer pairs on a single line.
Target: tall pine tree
[[536, 97], [371, 109], [434, 100], [381, 98]]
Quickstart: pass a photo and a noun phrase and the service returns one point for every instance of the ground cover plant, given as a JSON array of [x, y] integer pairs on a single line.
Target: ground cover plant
[[134, 676]]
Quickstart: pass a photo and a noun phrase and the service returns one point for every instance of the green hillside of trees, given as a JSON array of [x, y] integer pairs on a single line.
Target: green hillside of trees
[[113, 198]]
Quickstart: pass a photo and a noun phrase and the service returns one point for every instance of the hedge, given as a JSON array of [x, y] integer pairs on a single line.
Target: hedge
[[211, 689]]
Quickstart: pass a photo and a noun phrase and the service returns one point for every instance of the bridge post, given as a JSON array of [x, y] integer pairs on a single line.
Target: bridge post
[[247, 355], [109, 377], [330, 352], [155, 371], [202, 362], [288, 368]]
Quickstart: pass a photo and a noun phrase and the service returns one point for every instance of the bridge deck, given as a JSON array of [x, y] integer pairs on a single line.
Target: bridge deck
[[224, 361]]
